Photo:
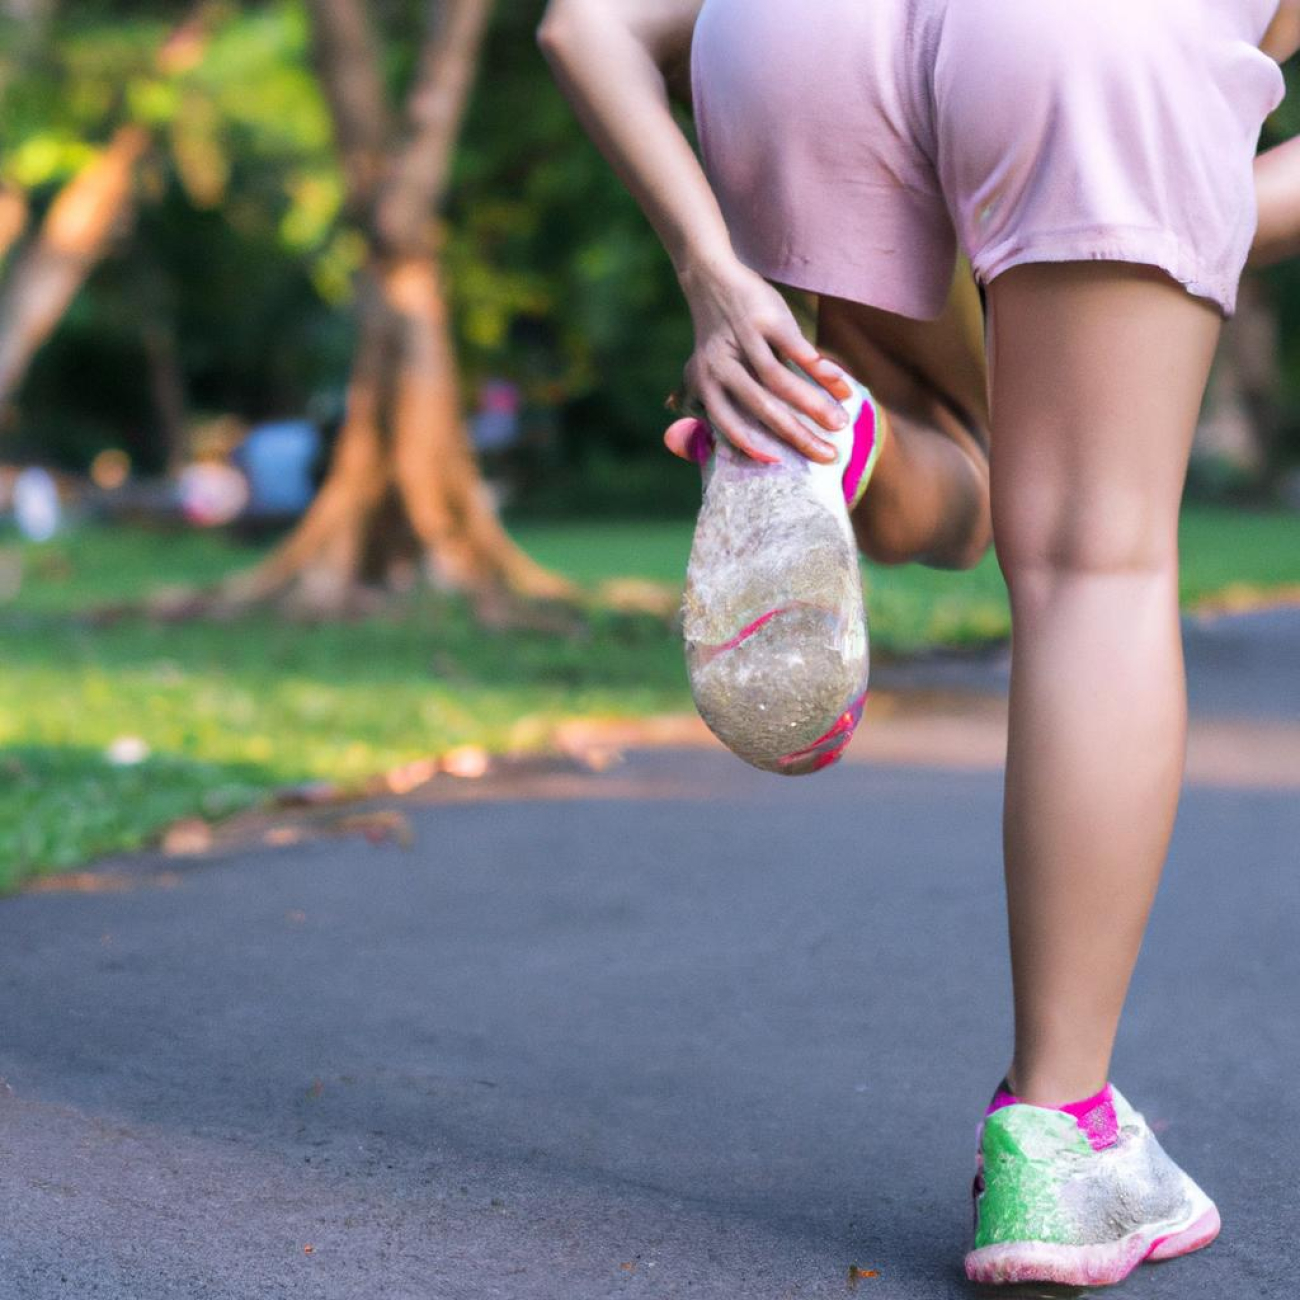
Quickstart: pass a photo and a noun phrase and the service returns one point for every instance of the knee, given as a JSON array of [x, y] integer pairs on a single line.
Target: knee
[[1039, 558]]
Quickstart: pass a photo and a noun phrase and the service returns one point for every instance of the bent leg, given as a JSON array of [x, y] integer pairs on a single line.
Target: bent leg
[[928, 499], [929, 494], [1097, 370]]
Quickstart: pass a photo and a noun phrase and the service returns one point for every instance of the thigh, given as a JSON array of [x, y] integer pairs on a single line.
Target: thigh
[[1096, 371]]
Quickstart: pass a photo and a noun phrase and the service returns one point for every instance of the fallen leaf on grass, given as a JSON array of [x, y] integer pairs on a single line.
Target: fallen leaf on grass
[[188, 836], [468, 761], [600, 758], [404, 779], [378, 827]]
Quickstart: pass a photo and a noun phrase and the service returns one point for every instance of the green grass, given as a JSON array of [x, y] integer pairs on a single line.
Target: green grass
[[230, 711], [912, 607]]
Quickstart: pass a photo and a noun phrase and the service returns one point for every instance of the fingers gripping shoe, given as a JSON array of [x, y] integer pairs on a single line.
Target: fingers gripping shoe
[[773, 619], [1052, 1207]]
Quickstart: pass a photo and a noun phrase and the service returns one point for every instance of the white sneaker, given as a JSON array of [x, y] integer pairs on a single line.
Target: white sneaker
[[775, 628], [1052, 1207]]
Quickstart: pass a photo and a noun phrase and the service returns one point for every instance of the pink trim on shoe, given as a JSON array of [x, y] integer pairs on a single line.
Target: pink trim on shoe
[[864, 443], [1094, 1115], [1101, 1265], [746, 632], [816, 756], [707, 653], [1198, 1236]]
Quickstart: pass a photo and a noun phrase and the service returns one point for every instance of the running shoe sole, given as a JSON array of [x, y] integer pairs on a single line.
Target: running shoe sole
[[1097, 1265], [772, 616]]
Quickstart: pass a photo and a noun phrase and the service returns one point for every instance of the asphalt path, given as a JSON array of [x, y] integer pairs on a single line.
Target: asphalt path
[[688, 1030]]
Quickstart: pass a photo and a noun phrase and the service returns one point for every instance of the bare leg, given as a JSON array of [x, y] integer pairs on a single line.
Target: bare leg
[[1097, 371], [928, 499]]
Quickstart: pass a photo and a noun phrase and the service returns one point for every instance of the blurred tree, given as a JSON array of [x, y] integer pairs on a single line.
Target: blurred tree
[[80, 223], [231, 288], [13, 218], [403, 491], [223, 291], [72, 238]]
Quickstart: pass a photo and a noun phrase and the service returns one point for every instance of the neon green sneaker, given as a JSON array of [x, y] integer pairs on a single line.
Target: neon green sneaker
[[1060, 1200]]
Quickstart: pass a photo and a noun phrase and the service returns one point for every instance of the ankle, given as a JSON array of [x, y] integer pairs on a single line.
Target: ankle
[[1053, 1091], [1093, 1112]]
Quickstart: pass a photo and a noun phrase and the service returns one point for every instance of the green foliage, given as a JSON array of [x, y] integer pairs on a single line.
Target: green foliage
[[556, 276], [240, 247]]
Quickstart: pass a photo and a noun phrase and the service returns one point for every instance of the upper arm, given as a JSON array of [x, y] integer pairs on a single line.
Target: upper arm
[[1282, 39], [663, 26]]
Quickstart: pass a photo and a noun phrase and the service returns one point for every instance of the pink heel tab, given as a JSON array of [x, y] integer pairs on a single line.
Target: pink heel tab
[[1094, 1115], [865, 434]]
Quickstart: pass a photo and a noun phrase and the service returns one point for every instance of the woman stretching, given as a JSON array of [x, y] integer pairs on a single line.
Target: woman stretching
[[1096, 166]]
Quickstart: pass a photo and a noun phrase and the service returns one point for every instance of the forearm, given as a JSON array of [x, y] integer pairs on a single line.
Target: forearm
[[611, 73], [1277, 170]]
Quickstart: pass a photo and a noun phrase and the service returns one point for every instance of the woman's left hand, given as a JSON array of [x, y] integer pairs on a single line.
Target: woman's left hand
[[744, 334]]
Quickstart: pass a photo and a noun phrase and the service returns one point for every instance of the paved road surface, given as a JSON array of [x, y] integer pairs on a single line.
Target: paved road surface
[[690, 1031]]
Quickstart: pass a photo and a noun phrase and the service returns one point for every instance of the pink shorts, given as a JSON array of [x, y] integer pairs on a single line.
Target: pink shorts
[[853, 144]]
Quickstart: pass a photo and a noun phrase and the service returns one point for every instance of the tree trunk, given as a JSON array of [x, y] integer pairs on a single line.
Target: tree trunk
[[403, 491], [83, 218], [13, 218], [72, 238]]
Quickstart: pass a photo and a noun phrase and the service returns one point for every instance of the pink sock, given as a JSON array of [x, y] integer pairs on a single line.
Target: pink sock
[[1095, 1116]]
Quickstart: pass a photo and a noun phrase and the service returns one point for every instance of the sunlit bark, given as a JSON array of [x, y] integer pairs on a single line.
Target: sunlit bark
[[73, 236], [403, 494], [13, 218], [79, 226]]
